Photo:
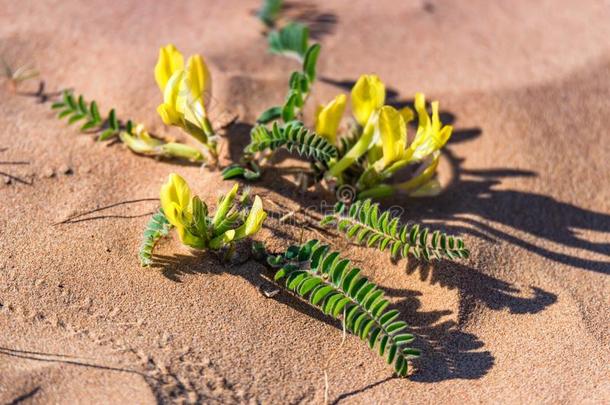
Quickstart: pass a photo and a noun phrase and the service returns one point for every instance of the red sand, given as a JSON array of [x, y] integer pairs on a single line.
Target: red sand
[[524, 320]]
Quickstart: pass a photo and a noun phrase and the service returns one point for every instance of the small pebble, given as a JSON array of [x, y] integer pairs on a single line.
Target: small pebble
[[64, 169], [48, 172], [7, 180]]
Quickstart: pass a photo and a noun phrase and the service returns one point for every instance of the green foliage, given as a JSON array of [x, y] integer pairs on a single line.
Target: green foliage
[[290, 40], [157, 227], [250, 171], [270, 11], [236, 218], [294, 137], [269, 115], [364, 223], [299, 86], [331, 284], [77, 109]]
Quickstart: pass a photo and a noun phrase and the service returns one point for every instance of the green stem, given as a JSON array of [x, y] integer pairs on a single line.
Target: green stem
[[380, 191], [357, 150]]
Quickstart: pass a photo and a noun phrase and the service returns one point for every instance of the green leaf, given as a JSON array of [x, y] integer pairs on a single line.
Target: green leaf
[[269, 115], [309, 61], [87, 125], [294, 137], [106, 134], [82, 106], [236, 171], [64, 113], [75, 117], [291, 39], [95, 113], [363, 221], [112, 120]]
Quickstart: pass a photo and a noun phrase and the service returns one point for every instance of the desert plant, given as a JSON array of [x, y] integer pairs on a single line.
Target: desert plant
[[299, 87], [294, 137], [135, 137], [329, 283], [186, 94], [286, 131], [365, 223], [235, 219], [374, 151]]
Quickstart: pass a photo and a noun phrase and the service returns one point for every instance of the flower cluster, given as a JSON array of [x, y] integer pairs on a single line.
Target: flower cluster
[[380, 143], [186, 94], [232, 221]]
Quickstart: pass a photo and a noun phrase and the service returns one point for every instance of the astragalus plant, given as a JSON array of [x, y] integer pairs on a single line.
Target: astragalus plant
[[235, 219], [372, 151], [187, 90]]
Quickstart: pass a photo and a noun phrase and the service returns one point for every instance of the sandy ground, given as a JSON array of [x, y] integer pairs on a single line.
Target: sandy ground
[[525, 320]]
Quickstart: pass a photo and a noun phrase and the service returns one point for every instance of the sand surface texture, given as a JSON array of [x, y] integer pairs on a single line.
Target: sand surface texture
[[524, 320]]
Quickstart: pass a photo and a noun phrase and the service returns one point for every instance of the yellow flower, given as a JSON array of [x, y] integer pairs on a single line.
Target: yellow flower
[[170, 60], [254, 222], [368, 95], [329, 116], [169, 109], [431, 135], [393, 136], [176, 201], [195, 90], [186, 91]]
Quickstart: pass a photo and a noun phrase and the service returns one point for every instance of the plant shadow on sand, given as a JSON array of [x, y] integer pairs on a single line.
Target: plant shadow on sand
[[472, 193], [447, 351]]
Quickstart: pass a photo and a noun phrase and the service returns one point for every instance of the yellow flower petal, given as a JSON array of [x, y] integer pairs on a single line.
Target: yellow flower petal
[[420, 107], [328, 118], [255, 220], [224, 205], [368, 95], [196, 88], [175, 198], [168, 110], [177, 204], [173, 88], [168, 114], [431, 135], [393, 134], [199, 78], [407, 114], [170, 60]]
